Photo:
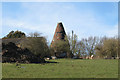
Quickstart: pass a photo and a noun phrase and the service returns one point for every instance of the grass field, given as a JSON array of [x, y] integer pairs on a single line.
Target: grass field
[[65, 68]]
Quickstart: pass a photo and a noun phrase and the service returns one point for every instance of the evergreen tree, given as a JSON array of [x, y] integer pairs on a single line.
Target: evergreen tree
[[16, 34]]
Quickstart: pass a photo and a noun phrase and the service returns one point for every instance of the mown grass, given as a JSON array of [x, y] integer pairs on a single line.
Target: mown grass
[[65, 68]]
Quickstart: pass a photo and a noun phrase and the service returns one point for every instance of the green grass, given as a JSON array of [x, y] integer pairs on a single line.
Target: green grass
[[65, 68]]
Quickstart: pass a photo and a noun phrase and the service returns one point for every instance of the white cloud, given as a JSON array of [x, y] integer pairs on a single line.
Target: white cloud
[[44, 28], [43, 17]]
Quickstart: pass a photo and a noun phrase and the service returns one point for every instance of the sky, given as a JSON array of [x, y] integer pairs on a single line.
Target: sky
[[84, 18]]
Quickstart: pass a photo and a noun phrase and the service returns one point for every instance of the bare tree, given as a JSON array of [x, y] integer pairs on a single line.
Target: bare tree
[[73, 42], [34, 34], [86, 46]]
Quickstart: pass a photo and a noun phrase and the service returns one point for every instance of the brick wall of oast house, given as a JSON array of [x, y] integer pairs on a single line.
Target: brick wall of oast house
[[59, 33]]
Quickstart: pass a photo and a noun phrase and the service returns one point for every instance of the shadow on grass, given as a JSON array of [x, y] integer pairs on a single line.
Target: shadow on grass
[[46, 62], [51, 62], [36, 62]]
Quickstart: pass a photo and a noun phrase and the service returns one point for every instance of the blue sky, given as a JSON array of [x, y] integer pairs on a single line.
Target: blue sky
[[84, 18]]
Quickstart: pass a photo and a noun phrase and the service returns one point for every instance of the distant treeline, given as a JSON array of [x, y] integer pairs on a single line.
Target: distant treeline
[[37, 46], [99, 47]]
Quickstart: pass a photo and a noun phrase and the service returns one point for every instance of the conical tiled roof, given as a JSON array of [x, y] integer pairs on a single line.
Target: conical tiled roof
[[59, 33]]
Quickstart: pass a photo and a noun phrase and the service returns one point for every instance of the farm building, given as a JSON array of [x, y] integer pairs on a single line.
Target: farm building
[[59, 35]]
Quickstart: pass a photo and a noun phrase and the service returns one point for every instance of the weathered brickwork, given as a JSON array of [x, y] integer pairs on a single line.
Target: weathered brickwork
[[59, 33]]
